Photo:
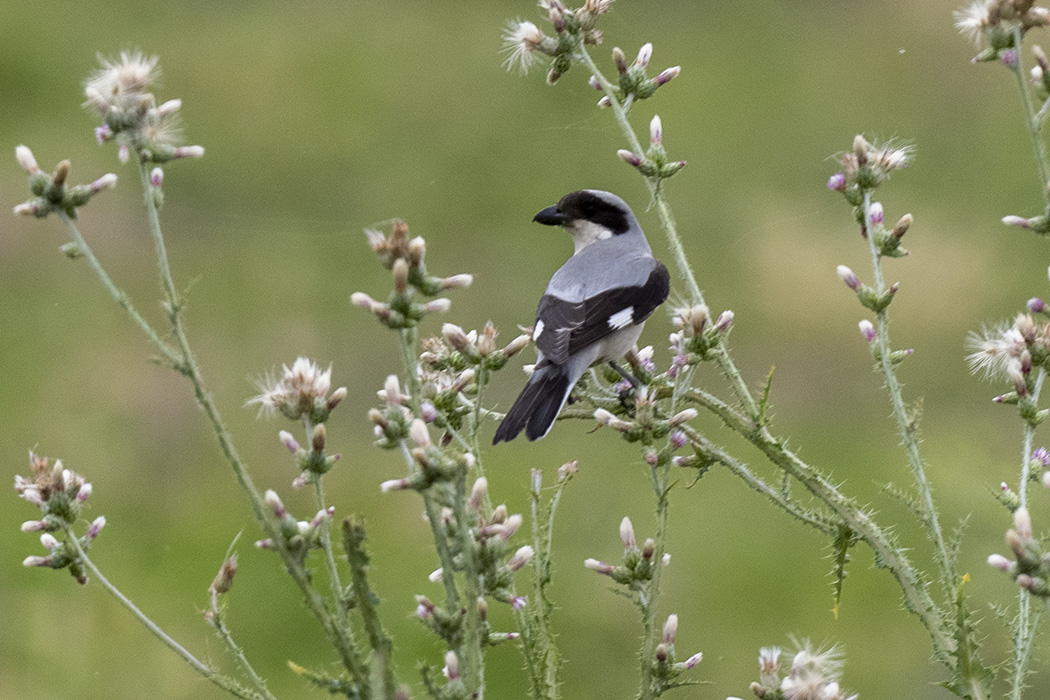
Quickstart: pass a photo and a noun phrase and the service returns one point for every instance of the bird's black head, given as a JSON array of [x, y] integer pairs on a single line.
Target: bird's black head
[[602, 208]]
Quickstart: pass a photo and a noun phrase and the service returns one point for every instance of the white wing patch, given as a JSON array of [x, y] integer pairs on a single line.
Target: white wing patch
[[622, 319], [537, 330]]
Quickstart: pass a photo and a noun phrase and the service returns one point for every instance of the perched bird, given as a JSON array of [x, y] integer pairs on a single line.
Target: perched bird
[[594, 307]]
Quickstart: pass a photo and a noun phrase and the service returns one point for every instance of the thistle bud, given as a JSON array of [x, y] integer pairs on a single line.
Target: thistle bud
[[521, 557], [629, 157], [26, 160], [683, 417], [867, 330], [902, 226], [670, 629], [61, 172], [456, 337], [848, 276], [567, 470], [594, 565], [667, 75], [517, 345], [620, 59], [274, 501], [645, 54], [875, 213], [395, 485], [656, 131], [336, 398], [1023, 523], [400, 271], [419, 433], [439, 306], [224, 579], [724, 321], [457, 281], [189, 152], [317, 440], [392, 387], [998, 561], [451, 669], [477, 494], [627, 534]]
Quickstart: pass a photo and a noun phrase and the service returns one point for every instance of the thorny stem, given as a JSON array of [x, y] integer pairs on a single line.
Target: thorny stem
[[663, 209], [1032, 119], [470, 651], [816, 520], [916, 596], [906, 424], [406, 342], [117, 293], [1026, 623], [224, 634], [470, 655], [661, 486], [338, 592], [188, 367], [209, 673], [382, 646]]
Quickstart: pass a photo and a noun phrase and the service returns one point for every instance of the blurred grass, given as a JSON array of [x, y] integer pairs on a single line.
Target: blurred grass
[[320, 118]]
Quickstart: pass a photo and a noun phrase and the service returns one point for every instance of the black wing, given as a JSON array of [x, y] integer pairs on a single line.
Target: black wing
[[566, 327]]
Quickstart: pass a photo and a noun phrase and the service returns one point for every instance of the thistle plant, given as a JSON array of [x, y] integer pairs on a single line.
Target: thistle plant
[[491, 565]]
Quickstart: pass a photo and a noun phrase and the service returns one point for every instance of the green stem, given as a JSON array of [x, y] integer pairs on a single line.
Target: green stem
[[338, 592], [206, 671], [470, 655], [906, 425], [1032, 119], [661, 475], [888, 555], [406, 344], [190, 369], [117, 293], [1026, 624], [820, 522], [224, 634], [382, 645], [663, 209]]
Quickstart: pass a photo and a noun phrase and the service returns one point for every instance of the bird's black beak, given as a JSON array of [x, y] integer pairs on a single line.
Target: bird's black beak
[[551, 217]]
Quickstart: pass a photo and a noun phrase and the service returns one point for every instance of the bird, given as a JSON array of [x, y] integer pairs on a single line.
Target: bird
[[593, 309]]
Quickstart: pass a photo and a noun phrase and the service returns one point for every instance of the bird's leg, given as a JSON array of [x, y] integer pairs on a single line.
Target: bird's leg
[[625, 374], [626, 395]]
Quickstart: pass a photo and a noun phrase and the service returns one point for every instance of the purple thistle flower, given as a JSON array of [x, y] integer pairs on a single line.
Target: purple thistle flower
[[837, 182]]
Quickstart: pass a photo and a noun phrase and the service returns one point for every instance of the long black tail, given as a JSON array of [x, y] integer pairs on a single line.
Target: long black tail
[[537, 406]]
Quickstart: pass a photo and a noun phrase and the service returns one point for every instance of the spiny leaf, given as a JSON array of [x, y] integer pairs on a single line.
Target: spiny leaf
[[905, 498], [334, 686], [763, 404], [840, 556], [970, 674]]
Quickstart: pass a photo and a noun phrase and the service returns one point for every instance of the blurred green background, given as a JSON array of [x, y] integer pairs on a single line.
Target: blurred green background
[[320, 118]]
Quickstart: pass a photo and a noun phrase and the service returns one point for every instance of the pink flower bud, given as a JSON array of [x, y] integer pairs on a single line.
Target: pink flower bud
[[645, 54], [667, 75], [848, 276]]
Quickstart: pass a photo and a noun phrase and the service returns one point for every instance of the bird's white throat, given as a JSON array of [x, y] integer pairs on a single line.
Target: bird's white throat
[[585, 232]]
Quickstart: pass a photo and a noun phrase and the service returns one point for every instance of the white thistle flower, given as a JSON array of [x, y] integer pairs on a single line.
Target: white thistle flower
[[971, 21], [520, 40]]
